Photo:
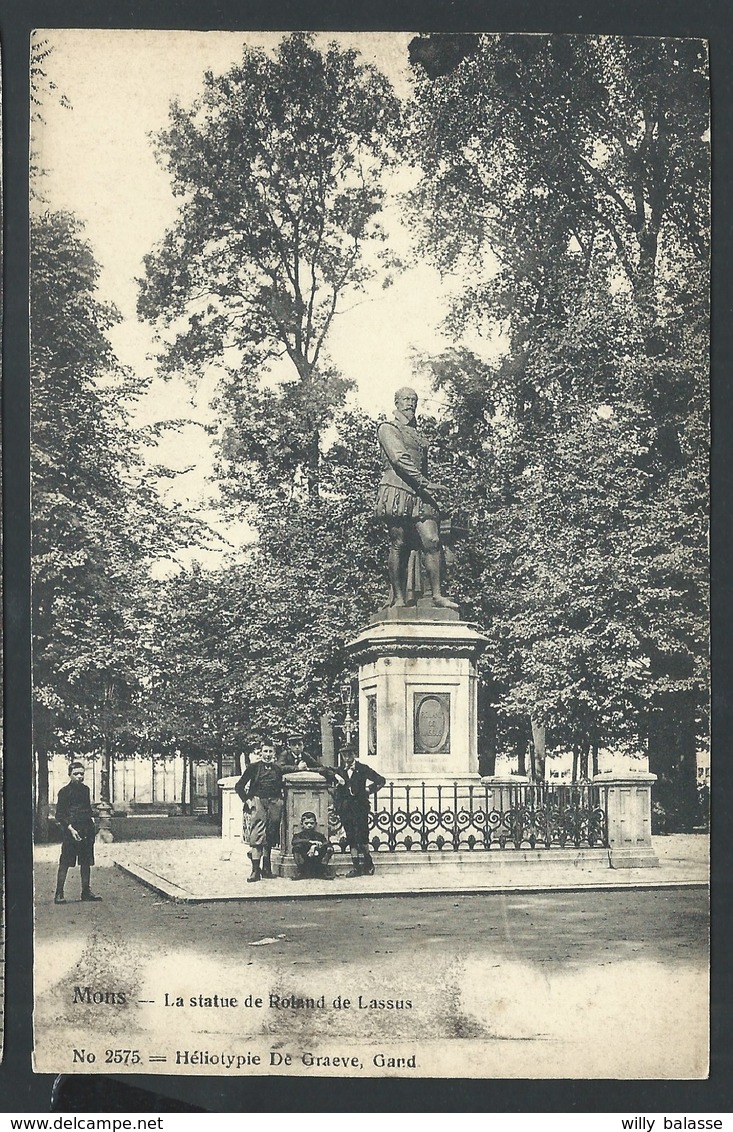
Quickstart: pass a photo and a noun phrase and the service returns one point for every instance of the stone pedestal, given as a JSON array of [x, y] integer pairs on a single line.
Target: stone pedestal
[[104, 813], [231, 816], [303, 791], [628, 803], [417, 695], [503, 789]]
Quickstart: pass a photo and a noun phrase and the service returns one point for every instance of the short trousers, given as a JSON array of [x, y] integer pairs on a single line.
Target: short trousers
[[77, 851], [264, 823]]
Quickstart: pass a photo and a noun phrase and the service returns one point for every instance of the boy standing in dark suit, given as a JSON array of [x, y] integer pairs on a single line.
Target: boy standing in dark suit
[[75, 816], [354, 783]]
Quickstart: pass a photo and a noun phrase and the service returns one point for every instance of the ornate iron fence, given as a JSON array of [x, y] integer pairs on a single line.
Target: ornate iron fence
[[414, 819]]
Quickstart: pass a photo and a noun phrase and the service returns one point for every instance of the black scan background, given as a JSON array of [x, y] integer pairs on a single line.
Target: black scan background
[[21, 1090]]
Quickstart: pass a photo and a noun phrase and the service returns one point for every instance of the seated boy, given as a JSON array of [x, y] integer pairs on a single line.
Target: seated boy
[[311, 849]]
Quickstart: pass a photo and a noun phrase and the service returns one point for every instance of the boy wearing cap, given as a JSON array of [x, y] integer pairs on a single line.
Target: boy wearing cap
[[295, 753], [354, 784]]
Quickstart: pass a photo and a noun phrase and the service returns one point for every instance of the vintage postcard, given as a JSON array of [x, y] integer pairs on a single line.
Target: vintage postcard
[[370, 562]]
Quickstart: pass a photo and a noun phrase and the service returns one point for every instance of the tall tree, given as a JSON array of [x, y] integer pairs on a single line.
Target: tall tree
[[567, 178], [97, 520], [205, 656], [600, 138], [279, 166], [303, 591], [80, 623]]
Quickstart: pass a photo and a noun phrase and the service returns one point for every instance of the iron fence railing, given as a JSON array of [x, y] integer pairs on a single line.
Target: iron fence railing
[[453, 817]]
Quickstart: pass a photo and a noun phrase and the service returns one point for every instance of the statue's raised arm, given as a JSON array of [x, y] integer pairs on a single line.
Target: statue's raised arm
[[409, 502]]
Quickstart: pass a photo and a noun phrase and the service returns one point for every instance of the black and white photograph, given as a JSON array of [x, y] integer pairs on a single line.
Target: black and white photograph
[[370, 439]]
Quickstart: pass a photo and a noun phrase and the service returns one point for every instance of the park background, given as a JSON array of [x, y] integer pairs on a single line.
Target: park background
[[516, 225]]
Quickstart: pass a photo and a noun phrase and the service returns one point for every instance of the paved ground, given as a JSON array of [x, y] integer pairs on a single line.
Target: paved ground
[[155, 827], [587, 983], [194, 870], [668, 925]]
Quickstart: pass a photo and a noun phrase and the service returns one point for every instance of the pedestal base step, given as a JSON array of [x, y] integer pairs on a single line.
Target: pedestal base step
[[488, 861]]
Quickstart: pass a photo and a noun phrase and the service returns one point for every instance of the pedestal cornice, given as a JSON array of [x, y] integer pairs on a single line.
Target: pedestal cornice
[[417, 639]]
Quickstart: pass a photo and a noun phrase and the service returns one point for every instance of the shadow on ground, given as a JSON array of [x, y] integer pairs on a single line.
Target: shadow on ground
[[161, 827]]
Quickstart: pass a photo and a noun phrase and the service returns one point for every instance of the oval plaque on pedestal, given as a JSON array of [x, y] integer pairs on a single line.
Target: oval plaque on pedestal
[[432, 723], [371, 725]]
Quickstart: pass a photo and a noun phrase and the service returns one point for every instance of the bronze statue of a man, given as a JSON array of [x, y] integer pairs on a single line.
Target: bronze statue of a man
[[408, 501]]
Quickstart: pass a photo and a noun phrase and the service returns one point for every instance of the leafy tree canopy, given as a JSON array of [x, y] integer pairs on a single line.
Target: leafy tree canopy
[[97, 519], [279, 166], [566, 181]]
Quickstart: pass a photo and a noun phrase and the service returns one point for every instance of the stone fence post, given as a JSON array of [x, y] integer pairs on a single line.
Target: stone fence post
[[104, 813], [503, 789], [304, 790], [231, 816], [628, 803]]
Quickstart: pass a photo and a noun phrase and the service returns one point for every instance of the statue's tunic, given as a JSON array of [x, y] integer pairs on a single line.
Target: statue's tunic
[[401, 494]]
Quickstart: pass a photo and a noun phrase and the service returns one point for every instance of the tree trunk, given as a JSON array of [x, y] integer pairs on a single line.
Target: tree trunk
[[313, 468], [673, 743], [42, 733], [539, 738], [673, 758], [183, 783], [42, 799], [105, 786], [216, 805], [646, 272], [487, 729], [521, 755], [532, 764], [328, 749]]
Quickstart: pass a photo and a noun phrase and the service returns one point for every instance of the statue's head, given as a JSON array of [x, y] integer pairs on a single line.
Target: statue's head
[[405, 400]]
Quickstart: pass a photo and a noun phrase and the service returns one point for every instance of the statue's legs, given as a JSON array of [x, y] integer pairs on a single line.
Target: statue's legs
[[397, 562], [429, 534]]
